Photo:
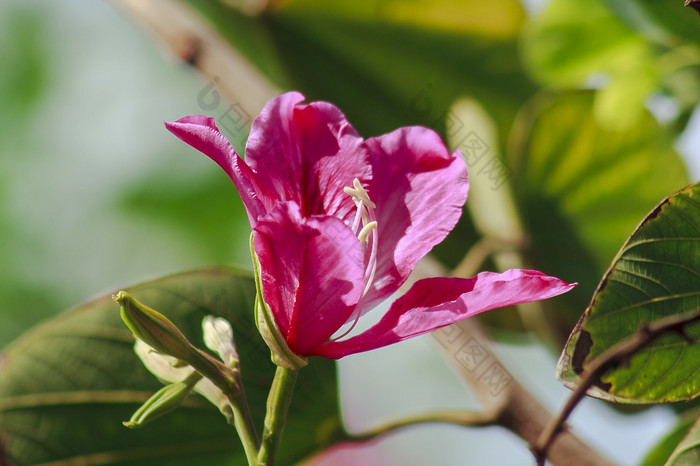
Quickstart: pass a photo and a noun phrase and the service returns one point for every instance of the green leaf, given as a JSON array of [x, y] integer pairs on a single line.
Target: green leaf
[[568, 45], [663, 20], [655, 274], [663, 450], [68, 385], [583, 188], [687, 453]]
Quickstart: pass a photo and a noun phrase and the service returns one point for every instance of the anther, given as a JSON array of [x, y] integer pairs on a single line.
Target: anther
[[366, 230], [362, 194]]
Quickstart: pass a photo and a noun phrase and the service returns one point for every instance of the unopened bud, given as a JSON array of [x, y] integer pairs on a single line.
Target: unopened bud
[[218, 336], [153, 328], [163, 401]]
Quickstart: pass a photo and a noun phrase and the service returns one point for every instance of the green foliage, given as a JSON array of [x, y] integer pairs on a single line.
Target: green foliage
[[655, 274], [687, 453], [663, 450], [629, 50], [583, 188], [661, 20], [67, 385], [386, 63]]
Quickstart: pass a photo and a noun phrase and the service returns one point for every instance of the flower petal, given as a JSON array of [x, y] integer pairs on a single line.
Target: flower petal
[[167, 368], [419, 190], [307, 154], [437, 302], [311, 273], [201, 133]]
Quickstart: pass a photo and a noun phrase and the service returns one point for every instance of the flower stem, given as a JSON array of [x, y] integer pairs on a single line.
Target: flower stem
[[243, 422], [278, 401]]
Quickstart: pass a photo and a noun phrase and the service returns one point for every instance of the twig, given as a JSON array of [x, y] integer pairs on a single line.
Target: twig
[[460, 418], [478, 254], [616, 355], [694, 4]]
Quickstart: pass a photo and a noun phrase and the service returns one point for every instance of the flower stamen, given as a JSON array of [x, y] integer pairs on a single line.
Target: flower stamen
[[366, 230], [368, 236]]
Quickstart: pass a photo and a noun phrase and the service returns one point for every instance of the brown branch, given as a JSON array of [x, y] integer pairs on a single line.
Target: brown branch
[[694, 4], [615, 356], [467, 347], [193, 41]]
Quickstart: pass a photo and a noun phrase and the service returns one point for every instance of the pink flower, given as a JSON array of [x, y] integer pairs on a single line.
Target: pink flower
[[340, 222]]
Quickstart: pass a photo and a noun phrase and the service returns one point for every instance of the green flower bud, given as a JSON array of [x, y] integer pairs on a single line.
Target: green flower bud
[[163, 401], [153, 328]]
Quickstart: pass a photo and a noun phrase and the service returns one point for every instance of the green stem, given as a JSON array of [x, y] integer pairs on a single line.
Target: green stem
[[243, 422], [278, 401]]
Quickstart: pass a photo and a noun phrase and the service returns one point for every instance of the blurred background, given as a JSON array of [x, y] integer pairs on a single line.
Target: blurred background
[[596, 122]]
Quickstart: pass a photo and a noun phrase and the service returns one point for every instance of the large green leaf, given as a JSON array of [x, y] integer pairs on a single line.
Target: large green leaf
[[583, 188], [67, 385], [656, 273]]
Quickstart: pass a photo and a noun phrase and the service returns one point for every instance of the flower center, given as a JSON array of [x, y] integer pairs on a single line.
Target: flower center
[[365, 227], [367, 234]]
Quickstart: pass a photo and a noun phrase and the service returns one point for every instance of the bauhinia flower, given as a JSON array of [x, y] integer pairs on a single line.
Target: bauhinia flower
[[339, 223]]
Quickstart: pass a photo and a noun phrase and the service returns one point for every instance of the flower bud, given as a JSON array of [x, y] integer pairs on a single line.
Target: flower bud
[[153, 328], [218, 336], [162, 402]]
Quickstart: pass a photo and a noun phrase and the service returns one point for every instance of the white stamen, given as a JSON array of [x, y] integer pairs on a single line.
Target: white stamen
[[368, 237], [358, 217]]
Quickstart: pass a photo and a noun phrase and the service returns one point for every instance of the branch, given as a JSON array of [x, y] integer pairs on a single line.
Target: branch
[[460, 418], [613, 357], [694, 4], [194, 41], [479, 252], [467, 347]]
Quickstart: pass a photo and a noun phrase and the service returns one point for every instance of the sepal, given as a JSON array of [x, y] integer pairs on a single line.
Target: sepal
[[281, 354]]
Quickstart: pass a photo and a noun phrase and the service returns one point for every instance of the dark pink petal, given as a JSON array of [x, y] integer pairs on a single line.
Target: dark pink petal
[[419, 190], [201, 133], [437, 302], [307, 154], [311, 274]]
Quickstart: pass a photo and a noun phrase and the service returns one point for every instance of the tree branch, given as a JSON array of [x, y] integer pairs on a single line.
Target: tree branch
[[194, 41], [694, 4], [613, 357], [468, 349]]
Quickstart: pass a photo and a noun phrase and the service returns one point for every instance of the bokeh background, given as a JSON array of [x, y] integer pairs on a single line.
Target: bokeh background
[[95, 194]]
